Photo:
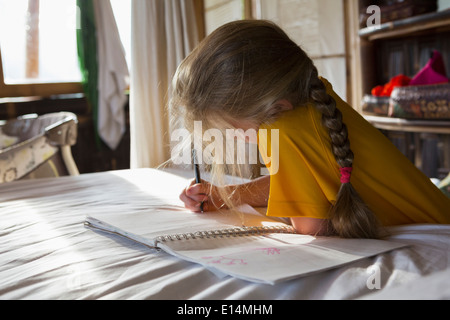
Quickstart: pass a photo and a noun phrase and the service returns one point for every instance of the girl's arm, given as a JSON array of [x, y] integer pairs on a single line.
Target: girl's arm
[[310, 226], [254, 193]]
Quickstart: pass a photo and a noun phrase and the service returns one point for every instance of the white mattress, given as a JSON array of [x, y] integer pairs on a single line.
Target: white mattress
[[47, 253]]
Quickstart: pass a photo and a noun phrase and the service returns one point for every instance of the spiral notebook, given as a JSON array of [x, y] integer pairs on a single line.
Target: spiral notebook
[[248, 246]]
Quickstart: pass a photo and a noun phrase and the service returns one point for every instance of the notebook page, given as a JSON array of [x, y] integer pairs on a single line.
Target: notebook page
[[276, 257], [145, 226], [269, 258]]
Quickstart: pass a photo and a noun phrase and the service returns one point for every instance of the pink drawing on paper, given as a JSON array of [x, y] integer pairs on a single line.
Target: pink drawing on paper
[[270, 251], [238, 261], [225, 261]]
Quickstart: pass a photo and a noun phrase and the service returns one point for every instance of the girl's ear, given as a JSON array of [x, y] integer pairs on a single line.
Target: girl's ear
[[283, 105]]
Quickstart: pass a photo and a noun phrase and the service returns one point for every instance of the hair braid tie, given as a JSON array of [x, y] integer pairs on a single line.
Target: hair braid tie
[[346, 174]]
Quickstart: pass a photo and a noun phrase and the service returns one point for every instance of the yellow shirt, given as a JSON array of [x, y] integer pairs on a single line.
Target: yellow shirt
[[308, 179]]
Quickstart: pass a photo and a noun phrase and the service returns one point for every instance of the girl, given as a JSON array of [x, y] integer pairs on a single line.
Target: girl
[[250, 75]]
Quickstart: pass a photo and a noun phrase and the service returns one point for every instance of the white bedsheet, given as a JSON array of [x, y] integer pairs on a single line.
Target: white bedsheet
[[47, 253]]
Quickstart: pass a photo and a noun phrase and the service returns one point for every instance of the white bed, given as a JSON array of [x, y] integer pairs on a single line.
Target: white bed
[[47, 253]]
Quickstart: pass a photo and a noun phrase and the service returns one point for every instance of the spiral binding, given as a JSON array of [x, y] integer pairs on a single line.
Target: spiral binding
[[232, 232]]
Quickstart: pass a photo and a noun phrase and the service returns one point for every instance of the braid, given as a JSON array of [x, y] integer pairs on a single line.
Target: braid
[[349, 216], [332, 120]]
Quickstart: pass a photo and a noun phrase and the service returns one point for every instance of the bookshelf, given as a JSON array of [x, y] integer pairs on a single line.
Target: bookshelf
[[425, 23], [404, 47]]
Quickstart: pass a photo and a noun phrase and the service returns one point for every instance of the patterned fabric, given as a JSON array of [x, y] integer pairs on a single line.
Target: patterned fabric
[[6, 140], [30, 141], [24, 158]]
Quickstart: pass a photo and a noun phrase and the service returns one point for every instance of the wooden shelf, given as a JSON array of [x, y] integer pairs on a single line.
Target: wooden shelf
[[407, 26], [421, 126], [399, 47]]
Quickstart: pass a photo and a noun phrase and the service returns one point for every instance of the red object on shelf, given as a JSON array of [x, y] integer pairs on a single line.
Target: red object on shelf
[[386, 90], [433, 73]]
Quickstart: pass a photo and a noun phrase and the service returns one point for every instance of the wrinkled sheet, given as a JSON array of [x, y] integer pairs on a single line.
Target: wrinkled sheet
[[47, 253]]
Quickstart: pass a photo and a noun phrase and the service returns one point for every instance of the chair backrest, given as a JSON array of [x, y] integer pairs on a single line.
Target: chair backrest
[[42, 148]]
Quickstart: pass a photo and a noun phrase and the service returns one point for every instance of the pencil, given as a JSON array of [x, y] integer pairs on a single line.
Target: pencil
[[197, 173]]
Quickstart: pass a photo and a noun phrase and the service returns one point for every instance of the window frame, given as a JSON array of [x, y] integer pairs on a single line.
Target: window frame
[[36, 89]]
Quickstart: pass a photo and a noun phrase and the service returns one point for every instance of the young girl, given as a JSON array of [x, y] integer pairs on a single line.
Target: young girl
[[250, 75]]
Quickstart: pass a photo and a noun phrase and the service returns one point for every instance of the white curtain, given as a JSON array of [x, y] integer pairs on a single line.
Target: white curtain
[[163, 33], [112, 75]]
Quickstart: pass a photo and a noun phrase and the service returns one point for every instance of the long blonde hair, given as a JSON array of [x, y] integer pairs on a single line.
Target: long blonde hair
[[238, 73]]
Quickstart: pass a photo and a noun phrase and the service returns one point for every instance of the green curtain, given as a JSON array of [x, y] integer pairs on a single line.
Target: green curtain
[[87, 57]]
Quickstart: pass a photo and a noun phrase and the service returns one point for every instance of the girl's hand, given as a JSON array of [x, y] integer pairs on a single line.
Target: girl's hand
[[196, 193]]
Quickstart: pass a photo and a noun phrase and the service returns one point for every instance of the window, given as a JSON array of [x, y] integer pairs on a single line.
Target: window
[[38, 41], [38, 45]]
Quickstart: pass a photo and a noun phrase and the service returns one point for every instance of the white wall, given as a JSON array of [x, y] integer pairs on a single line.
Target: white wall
[[318, 27], [219, 12]]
